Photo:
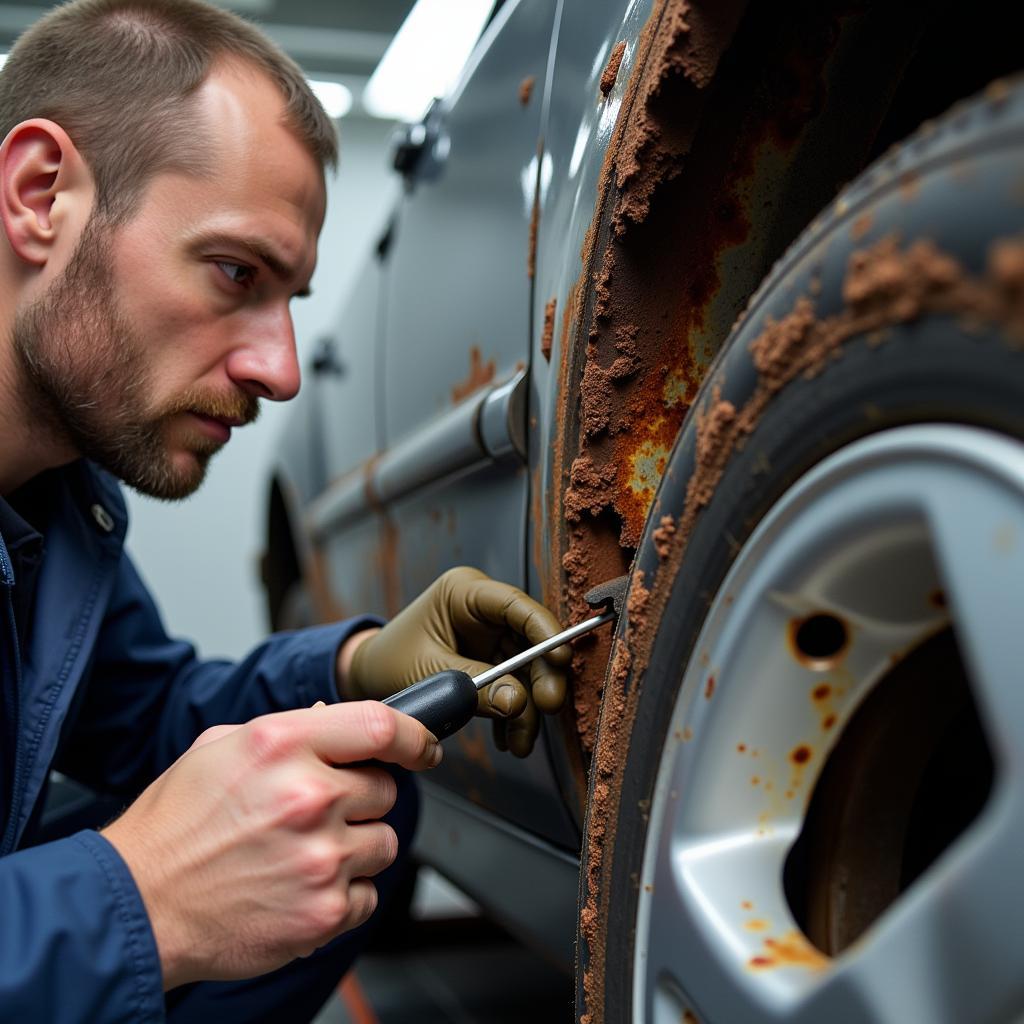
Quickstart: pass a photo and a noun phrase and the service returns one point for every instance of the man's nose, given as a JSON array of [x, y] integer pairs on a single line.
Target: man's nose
[[266, 364]]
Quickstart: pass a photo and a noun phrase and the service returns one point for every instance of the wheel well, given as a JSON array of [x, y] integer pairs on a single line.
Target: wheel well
[[281, 568]]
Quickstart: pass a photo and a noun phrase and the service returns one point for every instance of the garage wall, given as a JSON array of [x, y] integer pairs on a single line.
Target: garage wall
[[200, 556]]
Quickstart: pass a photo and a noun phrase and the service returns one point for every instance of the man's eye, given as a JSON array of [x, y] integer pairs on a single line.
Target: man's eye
[[236, 272]]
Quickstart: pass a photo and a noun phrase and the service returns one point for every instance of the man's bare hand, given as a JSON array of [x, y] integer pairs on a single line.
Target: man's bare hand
[[253, 848]]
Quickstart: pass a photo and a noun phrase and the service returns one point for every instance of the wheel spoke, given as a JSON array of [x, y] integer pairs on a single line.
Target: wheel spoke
[[977, 529]]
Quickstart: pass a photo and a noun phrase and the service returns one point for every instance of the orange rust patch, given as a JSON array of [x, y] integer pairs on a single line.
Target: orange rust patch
[[801, 755], [755, 924], [709, 688], [480, 375], [548, 334], [822, 692], [790, 950], [526, 89], [828, 721], [741, 747], [861, 226], [755, 780], [611, 69], [747, 905]]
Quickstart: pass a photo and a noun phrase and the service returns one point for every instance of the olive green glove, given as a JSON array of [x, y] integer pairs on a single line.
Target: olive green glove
[[467, 621]]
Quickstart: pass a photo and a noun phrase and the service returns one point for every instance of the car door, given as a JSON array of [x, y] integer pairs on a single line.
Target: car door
[[453, 480]]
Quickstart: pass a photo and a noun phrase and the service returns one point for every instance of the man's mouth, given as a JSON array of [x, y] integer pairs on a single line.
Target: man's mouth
[[217, 427]]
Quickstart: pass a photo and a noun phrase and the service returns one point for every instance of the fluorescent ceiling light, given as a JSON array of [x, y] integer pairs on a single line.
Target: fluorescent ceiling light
[[425, 57], [335, 98]]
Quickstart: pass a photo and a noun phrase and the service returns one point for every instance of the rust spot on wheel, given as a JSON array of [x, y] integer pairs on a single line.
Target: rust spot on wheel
[[790, 950], [709, 688], [801, 755]]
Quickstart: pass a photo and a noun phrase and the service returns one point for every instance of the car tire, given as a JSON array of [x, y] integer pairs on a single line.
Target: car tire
[[833, 549]]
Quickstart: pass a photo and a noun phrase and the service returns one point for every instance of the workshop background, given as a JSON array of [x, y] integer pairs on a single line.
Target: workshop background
[[201, 556]]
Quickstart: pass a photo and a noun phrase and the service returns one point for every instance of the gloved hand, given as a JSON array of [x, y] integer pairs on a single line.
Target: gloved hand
[[467, 621]]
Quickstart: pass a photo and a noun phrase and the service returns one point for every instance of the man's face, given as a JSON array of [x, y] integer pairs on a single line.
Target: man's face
[[162, 334]]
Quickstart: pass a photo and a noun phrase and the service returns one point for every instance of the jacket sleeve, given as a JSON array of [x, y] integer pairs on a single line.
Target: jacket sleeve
[[148, 696], [76, 946]]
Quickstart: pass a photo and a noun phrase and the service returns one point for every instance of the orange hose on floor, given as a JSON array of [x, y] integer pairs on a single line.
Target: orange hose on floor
[[351, 993]]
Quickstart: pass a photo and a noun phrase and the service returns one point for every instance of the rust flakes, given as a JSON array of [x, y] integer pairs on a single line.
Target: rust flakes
[[531, 245], [611, 69], [480, 375], [662, 536], [617, 723], [548, 333], [790, 950], [526, 89], [709, 688]]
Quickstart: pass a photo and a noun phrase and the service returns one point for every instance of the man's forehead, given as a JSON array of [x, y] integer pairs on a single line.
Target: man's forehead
[[257, 168]]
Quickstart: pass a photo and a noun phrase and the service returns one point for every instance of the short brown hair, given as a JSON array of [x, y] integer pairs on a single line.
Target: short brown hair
[[116, 75]]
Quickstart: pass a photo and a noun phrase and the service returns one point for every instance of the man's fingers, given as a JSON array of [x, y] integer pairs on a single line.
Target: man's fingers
[[499, 604], [375, 849], [214, 733], [363, 730], [362, 902], [504, 698], [369, 792], [521, 732], [547, 684]]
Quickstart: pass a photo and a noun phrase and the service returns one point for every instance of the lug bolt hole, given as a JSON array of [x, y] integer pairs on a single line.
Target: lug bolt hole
[[819, 639]]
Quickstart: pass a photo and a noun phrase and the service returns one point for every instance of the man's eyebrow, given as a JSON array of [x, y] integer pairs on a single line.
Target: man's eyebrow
[[258, 248]]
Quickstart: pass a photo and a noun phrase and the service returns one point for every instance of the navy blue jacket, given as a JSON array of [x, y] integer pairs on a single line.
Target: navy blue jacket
[[105, 696]]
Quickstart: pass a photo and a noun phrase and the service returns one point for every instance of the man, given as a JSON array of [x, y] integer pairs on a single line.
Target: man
[[161, 192]]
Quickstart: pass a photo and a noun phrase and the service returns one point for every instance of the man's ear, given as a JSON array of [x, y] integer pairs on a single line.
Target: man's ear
[[40, 171]]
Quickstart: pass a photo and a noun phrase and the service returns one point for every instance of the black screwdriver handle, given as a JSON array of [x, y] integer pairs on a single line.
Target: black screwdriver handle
[[444, 703]]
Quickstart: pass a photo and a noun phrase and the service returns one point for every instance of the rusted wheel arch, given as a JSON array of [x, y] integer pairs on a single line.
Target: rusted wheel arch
[[881, 259], [739, 123]]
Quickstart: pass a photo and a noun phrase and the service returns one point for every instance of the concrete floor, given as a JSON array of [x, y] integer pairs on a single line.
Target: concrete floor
[[450, 967]]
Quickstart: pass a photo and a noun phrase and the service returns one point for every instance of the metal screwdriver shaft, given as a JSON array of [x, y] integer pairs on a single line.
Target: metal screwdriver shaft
[[525, 657], [446, 701]]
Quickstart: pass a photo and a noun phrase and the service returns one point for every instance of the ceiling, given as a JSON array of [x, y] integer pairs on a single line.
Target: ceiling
[[334, 39]]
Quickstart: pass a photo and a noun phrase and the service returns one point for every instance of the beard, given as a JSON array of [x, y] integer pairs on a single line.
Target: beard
[[86, 379]]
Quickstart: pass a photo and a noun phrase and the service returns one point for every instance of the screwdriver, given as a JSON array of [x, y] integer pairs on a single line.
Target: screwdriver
[[446, 701]]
